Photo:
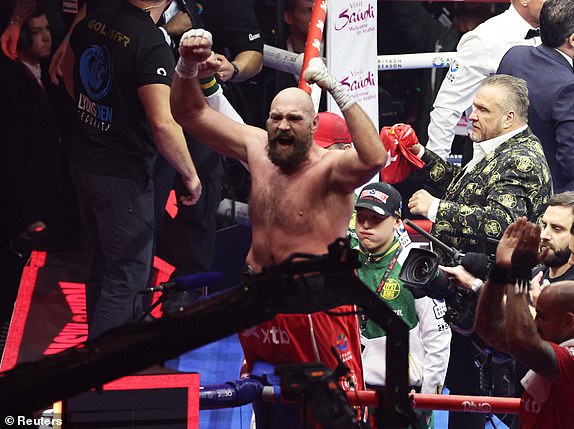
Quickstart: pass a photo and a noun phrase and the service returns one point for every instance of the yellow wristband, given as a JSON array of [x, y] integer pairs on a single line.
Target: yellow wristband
[[209, 86]]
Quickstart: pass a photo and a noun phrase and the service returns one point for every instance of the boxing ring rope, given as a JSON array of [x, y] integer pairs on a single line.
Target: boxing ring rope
[[463, 403], [314, 38], [248, 390], [290, 62]]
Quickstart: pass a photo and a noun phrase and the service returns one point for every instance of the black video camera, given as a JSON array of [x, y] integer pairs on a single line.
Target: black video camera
[[421, 275]]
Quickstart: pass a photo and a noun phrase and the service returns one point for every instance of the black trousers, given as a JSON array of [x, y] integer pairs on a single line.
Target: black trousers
[[118, 217], [463, 378], [188, 240], [471, 373]]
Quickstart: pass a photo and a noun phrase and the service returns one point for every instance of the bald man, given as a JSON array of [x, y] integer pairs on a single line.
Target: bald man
[[545, 344], [302, 195]]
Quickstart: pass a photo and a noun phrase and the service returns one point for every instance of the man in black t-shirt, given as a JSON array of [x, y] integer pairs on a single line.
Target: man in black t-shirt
[[235, 31], [187, 240], [122, 70]]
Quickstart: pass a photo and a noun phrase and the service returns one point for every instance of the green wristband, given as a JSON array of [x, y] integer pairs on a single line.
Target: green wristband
[[209, 85]]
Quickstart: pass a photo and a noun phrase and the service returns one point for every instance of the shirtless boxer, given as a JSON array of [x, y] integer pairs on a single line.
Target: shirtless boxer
[[301, 199]]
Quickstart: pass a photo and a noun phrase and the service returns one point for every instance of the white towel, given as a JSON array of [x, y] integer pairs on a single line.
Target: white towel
[[538, 386]]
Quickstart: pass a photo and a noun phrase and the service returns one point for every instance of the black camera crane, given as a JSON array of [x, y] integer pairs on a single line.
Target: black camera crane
[[277, 289]]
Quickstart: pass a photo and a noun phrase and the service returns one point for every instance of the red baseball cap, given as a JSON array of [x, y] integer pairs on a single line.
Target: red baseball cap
[[332, 129]]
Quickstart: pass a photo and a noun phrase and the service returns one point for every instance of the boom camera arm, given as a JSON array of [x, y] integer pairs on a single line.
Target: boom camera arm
[[277, 289]]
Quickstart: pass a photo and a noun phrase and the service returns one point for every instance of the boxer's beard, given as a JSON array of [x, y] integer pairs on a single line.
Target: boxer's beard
[[285, 158]]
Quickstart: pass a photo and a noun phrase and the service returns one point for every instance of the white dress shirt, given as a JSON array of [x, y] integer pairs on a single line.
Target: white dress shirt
[[568, 58], [36, 71], [478, 56]]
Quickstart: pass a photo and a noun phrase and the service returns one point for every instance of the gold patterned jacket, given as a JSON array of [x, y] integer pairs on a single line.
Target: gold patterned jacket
[[511, 181]]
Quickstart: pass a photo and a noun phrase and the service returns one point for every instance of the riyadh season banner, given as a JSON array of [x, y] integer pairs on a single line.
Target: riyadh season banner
[[352, 52]]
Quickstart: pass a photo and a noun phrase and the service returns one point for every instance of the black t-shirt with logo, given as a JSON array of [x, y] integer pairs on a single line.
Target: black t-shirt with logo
[[233, 25], [117, 50]]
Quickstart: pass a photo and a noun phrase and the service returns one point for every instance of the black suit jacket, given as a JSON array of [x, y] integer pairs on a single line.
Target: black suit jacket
[[550, 83], [35, 126]]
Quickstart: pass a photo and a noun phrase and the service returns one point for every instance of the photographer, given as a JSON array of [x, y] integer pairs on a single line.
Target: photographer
[[546, 344]]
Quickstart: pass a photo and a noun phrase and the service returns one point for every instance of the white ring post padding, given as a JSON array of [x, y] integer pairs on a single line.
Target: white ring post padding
[[424, 60], [282, 60], [290, 62]]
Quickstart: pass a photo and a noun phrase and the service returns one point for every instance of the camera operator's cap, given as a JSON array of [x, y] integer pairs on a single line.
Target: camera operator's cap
[[332, 129], [381, 198]]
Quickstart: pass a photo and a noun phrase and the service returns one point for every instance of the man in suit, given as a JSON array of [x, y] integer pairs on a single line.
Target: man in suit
[[547, 70], [39, 204], [478, 56], [506, 178], [36, 118]]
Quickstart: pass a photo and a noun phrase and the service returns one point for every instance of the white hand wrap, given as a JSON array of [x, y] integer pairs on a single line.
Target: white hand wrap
[[188, 69], [196, 32], [316, 72]]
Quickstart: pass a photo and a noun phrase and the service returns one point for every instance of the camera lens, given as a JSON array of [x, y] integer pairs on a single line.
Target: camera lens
[[422, 271], [419, 268]]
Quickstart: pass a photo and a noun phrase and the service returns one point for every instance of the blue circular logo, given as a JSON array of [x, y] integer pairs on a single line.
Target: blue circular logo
[[95, 72], [454, 67], [437, 61]]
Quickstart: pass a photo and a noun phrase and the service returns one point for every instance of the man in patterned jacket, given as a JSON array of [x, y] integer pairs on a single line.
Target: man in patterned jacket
[[508, 177]]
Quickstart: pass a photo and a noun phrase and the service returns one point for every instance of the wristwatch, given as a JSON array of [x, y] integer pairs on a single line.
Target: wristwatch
[[235, 71], [476, 284]]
